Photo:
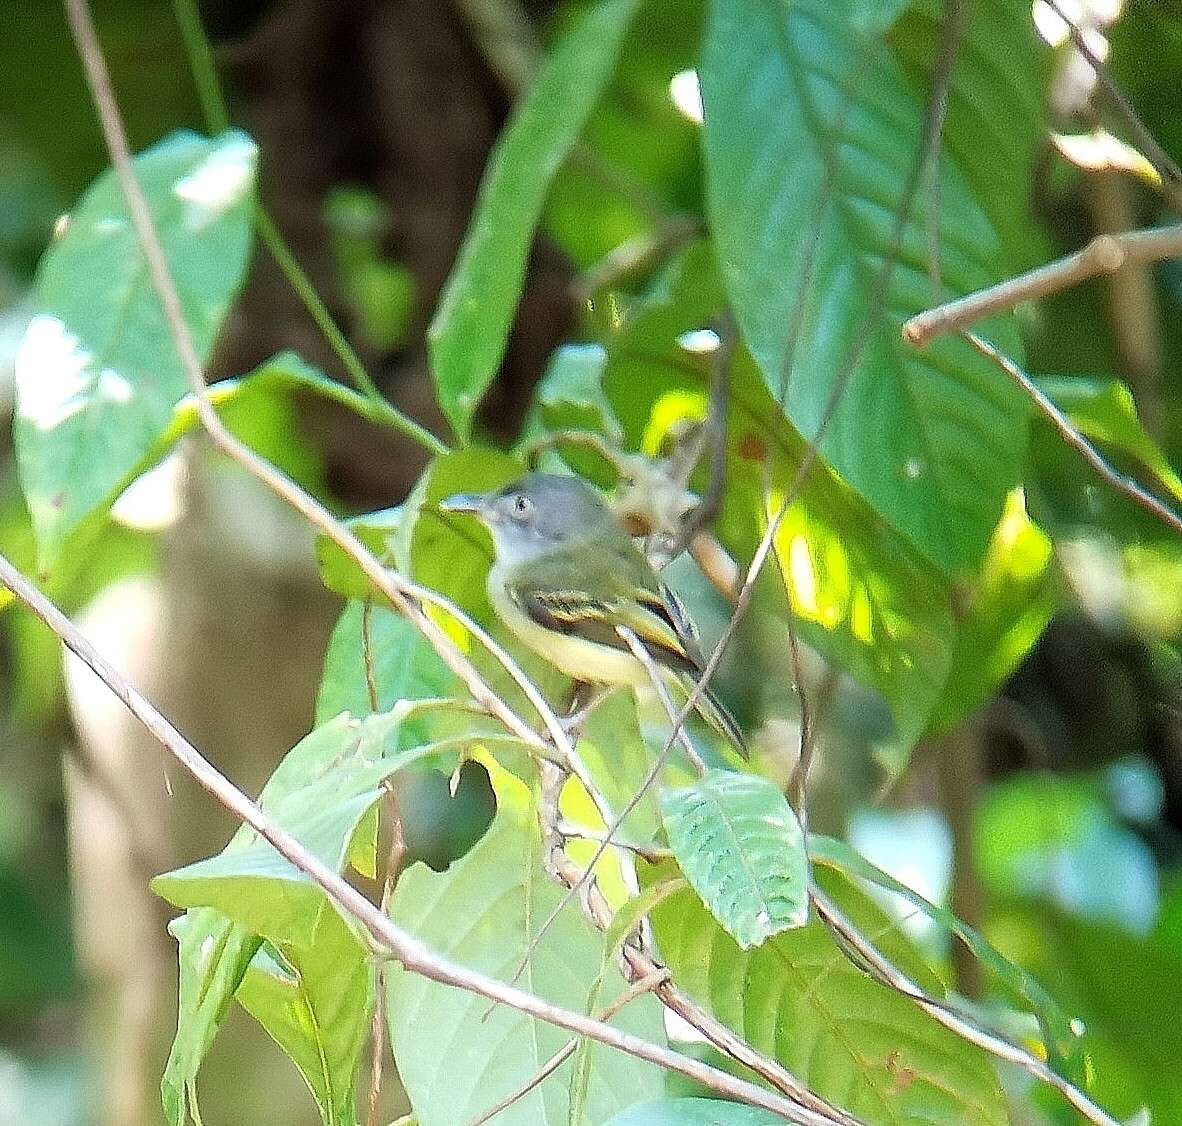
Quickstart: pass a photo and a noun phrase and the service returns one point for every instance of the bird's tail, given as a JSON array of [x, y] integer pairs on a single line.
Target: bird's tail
[[717, 715]]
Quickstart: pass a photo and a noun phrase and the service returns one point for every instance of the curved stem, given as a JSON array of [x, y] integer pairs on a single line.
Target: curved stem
[[217, 118]]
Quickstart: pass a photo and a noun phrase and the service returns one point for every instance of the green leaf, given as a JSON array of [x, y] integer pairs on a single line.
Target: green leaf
[[1104, 411], [448, 553], [862, 594], [403, 667], [694, 1112], [570, 395], [1126, 990], [321, 791], [339, 572], [315, 1001], [1005, 608], [619, 760], [97, 373], [457, 1058], [471, 325], [809, 139], [853, 1041], [998, 111], [1062, 1043], [249, 881], [570, 399], [214, 954], [741, 848]]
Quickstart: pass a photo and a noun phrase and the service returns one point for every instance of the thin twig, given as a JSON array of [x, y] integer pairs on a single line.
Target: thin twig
[[637, 254], [1119, 481], [205, 75], [386, 937], [384, 410], [394, 861], [1161, 160], [636, 989], [371, 680], [714, 431], [1104, 254], [659, 687], [989, 1042], [651, 854]]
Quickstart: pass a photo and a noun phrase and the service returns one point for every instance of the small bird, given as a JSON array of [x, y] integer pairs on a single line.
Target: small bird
[[567, 574]]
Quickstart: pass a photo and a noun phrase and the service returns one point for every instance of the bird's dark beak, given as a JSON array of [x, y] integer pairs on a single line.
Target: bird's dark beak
[[472, 503]]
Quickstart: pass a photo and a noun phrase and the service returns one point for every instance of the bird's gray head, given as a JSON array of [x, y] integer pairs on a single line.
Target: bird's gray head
[[533, 516]]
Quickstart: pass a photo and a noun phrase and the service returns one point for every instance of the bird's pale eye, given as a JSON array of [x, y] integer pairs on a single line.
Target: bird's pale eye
[[522, 506]]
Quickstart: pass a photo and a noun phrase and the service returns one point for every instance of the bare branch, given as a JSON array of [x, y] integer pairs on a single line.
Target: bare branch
[[652, 854], [890, 975], [714, 435], [1119, 481], [1105, 254], [386, 937]]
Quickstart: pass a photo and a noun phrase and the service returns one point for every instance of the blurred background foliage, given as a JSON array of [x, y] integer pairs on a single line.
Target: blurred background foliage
[[1046, 811]]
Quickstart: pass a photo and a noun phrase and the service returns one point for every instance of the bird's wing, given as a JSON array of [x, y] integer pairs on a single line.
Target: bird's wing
[[557, 597], [595, 618]]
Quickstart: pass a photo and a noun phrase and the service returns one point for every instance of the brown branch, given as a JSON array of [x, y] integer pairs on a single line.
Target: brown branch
[[1119, 481], [395, 859], [386, 937], [713, 434], [1104, 255], [887, 973], [959, 781]]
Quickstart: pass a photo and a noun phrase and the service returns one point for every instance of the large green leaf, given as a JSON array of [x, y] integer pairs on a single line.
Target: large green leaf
[[855, 1042], [862, 594], [694, 1112], [447, 553], [321, 792], [471, 325], [1127, 992], [1062, 1042], [339, 572], [455, 1057], [570, 395], [98, 374], [742, 850], [809, 140], [315, 1001]]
